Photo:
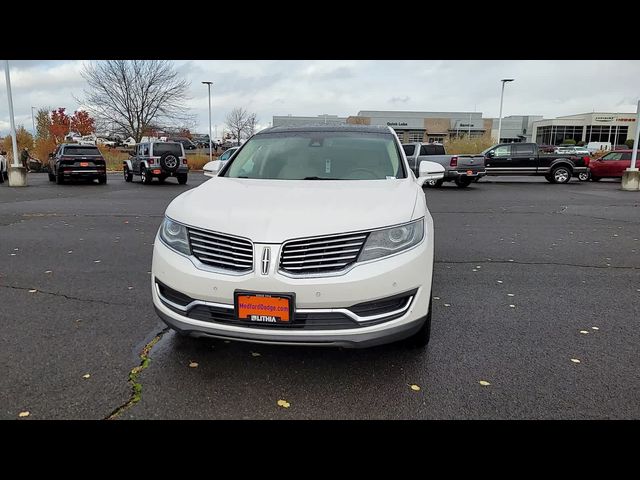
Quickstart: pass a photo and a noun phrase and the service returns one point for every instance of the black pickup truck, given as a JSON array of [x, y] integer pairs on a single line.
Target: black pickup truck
[[526, 159]]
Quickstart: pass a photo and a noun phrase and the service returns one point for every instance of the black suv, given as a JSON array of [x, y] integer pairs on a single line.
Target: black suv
[[71, 160], [157, 159]]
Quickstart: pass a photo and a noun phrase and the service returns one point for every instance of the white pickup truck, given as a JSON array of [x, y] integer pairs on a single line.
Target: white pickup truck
[[461, 169]]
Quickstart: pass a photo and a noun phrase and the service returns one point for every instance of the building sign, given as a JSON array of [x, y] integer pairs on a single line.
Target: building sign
[[401, 123], [604, 118], [625, 119]]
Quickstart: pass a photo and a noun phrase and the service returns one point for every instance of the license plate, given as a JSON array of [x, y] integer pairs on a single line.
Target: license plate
[[265, 308], [469, 172], [84, 164]]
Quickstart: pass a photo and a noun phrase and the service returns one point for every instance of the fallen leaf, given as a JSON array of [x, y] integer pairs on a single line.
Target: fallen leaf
[[484, 383], [283, 404], [595, 328], [16, 249], [415, 388], [126, 221], [70, 251], [499, 281], [96, 261], [510, 295], [86, 375], [511, 259], [23, 414], [255, 354], [478, 266], [33, 290], [575, 360], [129, 288], [193, 364], [474, 270], [438, 298], [47, 271], [447, 304], [584, 331], [512, 306], [12, 254]]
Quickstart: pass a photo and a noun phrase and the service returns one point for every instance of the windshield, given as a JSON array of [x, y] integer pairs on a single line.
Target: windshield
[[319, 155]]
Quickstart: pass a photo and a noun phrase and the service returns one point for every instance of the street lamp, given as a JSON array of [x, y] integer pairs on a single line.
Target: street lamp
[[631, 176], [17, 173], [504, 80], [208, 84], [33, 124]]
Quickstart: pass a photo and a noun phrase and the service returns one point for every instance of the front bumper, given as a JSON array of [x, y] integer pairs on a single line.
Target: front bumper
[[410, 271]]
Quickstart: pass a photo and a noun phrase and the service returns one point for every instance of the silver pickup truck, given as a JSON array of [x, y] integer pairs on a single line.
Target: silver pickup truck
[[461, 169]]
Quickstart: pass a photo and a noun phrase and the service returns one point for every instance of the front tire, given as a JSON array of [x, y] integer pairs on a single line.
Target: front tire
[[561, 174], [128, 175], [583, 176], [421, 338]]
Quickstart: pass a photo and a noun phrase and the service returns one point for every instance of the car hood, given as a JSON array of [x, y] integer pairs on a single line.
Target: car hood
[[272, 211]]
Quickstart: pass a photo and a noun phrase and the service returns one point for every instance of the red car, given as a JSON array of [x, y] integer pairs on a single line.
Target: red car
[[611, 165]]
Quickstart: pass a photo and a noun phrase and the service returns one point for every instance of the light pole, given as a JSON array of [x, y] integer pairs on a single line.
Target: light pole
[[33, 124], [17, 173], [210, 141], [504, 80], [631, 176]]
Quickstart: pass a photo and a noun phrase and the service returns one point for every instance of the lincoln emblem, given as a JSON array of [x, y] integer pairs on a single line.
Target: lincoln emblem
[[266, 258]]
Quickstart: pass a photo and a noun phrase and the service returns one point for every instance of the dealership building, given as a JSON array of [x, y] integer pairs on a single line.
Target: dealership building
[[426, 126], [293, 121], [614, 128]]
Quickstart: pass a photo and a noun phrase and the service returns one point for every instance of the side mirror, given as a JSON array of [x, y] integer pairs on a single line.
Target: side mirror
[[490, 153], [429, 172], [211, 169]]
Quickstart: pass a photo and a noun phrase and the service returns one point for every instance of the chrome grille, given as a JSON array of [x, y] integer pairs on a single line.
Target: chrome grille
[[321, 254], [221, 251]]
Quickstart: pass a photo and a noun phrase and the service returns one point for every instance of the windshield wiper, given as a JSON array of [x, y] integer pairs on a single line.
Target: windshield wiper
[[319, 178]]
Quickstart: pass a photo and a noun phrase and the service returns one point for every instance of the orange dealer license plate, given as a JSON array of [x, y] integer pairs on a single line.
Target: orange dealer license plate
[[265, 308]]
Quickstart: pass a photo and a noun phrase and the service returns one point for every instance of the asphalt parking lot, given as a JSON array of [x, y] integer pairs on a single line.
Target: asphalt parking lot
[[523, 269]]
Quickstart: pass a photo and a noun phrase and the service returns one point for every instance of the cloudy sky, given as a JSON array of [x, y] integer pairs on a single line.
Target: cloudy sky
[[343, 87]]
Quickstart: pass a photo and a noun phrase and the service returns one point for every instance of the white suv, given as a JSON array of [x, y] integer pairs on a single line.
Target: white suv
[[307, 235]]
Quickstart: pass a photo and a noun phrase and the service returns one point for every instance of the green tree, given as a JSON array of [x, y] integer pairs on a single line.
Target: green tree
[[629, 142], [43, 121]]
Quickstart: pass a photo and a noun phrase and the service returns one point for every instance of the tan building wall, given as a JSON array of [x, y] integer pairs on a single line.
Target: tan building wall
[[354, 120]]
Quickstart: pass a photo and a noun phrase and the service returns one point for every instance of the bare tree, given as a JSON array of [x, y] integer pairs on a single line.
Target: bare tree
[[134, 94], [240, 121], [252, 123]]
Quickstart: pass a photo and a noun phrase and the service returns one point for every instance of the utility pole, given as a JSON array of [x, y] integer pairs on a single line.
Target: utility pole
[[504, 80], [17, 173], [210, 139], [631, 176]]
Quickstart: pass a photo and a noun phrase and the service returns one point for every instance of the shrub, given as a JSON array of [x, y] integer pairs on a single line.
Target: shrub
[[468, 145], [568, 141], [629, 142]]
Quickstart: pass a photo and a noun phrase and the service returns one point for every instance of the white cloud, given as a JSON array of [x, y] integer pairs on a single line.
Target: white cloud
[[343, 87]]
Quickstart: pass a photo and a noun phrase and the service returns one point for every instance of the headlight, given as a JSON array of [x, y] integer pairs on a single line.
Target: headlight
[[175, 236], [382, 243]]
